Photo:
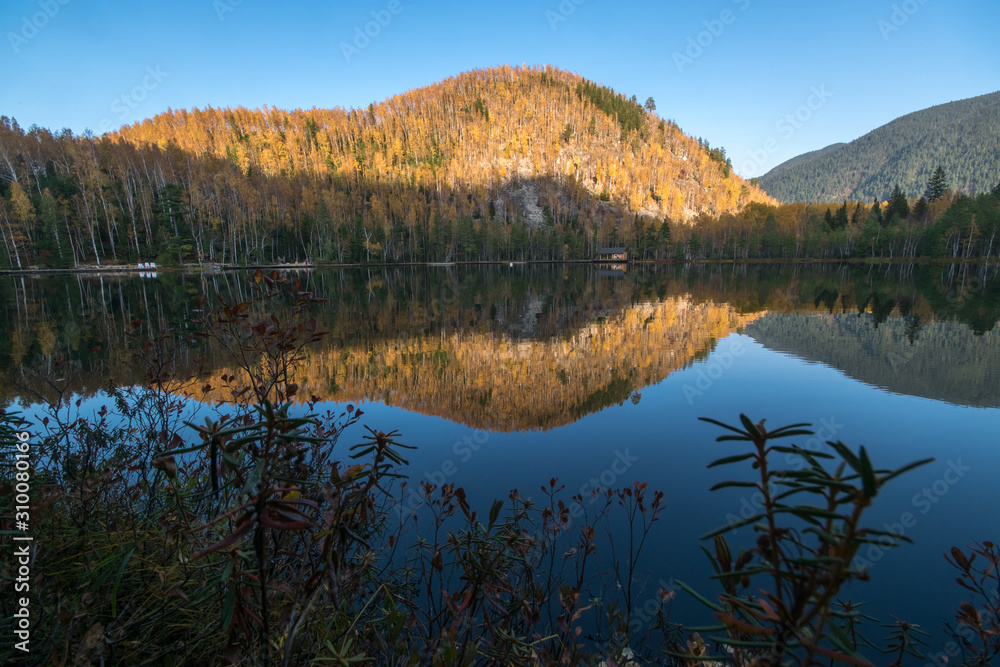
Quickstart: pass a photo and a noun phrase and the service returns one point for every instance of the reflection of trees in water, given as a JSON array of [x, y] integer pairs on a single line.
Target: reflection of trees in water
[[498, 382], [459, 340], [940, 360]]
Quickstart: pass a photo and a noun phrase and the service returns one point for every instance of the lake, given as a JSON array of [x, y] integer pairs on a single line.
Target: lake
[[506, 376]]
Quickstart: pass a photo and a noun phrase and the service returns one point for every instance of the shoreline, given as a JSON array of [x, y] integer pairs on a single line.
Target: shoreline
[[216, 268]]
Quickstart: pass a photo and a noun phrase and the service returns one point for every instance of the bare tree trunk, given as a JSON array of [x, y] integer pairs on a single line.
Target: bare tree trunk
[[13, 241], [72, 247], [6, 243]]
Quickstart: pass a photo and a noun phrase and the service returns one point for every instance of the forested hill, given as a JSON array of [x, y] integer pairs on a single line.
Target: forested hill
[[800, 160], [491, 164], [962, 137]]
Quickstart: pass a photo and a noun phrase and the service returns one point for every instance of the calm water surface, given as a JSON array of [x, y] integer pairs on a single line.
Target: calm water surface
[[504, 377]]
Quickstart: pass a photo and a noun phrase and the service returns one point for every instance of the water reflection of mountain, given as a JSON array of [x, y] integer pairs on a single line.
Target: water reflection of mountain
[[512, 348], [497, 382], [532, 349], [940, 360]]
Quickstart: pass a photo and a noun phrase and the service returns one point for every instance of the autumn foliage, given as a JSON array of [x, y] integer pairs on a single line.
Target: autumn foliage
[[491, 164]]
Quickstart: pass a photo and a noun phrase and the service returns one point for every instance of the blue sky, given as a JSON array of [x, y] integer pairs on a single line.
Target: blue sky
[[765, 80]]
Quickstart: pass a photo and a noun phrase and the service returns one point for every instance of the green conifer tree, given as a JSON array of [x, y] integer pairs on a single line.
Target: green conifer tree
[[859, 215], [937, 186], [877, 212], [920, 210], [898, 204], [840, 218]]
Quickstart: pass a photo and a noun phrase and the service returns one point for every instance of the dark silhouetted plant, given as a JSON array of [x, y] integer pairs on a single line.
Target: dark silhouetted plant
[[977, 630], [809, 530]]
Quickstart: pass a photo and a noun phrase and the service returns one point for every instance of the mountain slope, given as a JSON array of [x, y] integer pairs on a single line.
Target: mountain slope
[[483, 128], [801, 160], [963, 137], [490, 164]]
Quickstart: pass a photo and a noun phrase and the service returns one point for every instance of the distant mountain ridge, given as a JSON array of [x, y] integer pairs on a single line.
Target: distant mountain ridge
[[805, 158], [963, 137]]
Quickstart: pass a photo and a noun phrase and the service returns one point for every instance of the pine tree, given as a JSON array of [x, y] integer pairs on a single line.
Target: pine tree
[[877, 212], [694, 246], [840, 218], [859, 215], [937, 186], [898, 204], [650, 105], [174, 232], [664, 237]]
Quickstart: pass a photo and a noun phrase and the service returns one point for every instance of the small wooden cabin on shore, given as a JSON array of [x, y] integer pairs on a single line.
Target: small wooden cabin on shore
[[612, 255]]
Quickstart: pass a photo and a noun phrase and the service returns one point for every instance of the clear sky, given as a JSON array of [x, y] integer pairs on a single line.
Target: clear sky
[[731, 71]]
